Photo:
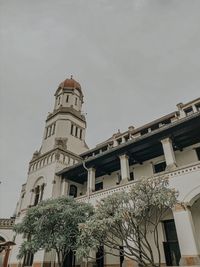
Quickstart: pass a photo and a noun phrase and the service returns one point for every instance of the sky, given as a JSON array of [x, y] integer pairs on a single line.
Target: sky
[[135, 60]]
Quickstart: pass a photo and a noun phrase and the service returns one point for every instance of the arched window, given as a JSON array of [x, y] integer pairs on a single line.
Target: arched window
[[38, 191], [37, 195], [73, 190]]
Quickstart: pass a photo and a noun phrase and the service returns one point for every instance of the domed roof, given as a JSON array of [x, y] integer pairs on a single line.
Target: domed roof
[[71, 84]]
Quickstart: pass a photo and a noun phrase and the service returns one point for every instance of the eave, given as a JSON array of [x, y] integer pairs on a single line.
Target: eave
[[183, 132]]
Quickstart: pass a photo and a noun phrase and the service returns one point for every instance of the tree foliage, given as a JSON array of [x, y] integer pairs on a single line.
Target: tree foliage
[[128, 220], [53, 224]]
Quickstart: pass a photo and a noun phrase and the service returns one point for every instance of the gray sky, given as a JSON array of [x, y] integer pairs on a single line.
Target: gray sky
[[135, 60]]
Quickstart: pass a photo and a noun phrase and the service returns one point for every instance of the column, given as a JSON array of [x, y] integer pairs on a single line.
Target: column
[[64, 187], [186, 236], [91, 181], [124, 164], [169, 153]]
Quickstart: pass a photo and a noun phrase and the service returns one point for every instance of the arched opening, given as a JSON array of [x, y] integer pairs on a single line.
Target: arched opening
[[195, 211]]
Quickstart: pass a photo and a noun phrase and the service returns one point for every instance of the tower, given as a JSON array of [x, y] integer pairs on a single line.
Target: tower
[[63, 141]]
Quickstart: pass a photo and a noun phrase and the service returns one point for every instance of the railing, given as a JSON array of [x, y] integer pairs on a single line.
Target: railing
[[6, 223], [95, 196]]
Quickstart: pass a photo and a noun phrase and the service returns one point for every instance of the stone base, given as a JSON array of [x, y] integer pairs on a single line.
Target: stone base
[[171, 167], [124, 181], [190, 260]]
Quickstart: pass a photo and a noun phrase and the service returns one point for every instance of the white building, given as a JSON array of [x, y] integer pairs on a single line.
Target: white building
[[64, 166]]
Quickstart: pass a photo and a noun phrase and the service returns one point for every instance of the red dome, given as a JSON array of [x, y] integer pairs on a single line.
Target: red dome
[[71, 84]]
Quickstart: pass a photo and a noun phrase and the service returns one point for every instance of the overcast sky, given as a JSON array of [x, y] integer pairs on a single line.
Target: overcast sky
[[135, 60]]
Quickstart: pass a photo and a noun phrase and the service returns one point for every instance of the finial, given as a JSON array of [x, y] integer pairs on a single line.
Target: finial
[[71, 76]]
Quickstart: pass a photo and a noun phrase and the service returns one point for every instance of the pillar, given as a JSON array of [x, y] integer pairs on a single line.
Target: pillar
[[91, 180], [169, 153], [124, 164], [64, 187], [186, 236]]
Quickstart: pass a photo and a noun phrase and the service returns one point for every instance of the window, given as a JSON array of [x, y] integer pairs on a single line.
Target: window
[[37, 195], [73, 191], [159, 167], [119, 178], [76, 132], [81, 131], [49, 131], [59, 100], [198, 106], [67, 98], [98, 186], [131, 176], [198, 152], [28, 259], [189, 111], [46, 133], [72, 129], [53, 128], [76, 101]]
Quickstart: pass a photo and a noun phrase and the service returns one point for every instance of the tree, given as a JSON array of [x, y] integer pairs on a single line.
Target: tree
[[53, 224], [124, 222]]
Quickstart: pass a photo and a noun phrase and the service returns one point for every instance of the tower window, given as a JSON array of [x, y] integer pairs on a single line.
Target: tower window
[[59, 100], [76, 101], [81, 132], [37, 195], [72, 129], [76, 133], [67, 98], [53, 128]]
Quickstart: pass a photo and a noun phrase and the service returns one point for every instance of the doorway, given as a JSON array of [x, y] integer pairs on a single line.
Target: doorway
[[171, 245]]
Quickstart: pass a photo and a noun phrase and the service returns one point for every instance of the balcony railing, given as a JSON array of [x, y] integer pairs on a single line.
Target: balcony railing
[[96, 196]]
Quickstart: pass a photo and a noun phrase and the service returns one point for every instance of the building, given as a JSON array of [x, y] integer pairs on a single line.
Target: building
[[65, 166]]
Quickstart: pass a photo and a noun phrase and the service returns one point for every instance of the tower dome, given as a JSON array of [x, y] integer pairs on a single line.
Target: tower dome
[[70, 84]]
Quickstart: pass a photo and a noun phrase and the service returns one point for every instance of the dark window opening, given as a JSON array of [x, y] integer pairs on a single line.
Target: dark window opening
[[189, 111], [154, 127], [67, 98], [53, 128], [131, 176], [41, 192], [72, 129], [99, 186], [119, 141], [76, 101], [37, 195], [73, 191], [171, 245], [197, 106], [198, 152], [160, 167], [76, 132], [145, 131], [81, 132], [59, 100], [28, 259]]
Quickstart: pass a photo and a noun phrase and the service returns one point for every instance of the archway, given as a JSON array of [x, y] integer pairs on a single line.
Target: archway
[[195, 211]]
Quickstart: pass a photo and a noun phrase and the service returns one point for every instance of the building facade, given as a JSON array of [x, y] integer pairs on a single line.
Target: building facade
[[64, 165]]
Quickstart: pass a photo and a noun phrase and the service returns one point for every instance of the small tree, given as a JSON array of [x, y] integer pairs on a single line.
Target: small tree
[[123, 222], [53, 224]]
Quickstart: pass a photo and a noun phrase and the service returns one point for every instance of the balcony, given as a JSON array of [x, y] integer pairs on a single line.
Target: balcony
[[94, 197]]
